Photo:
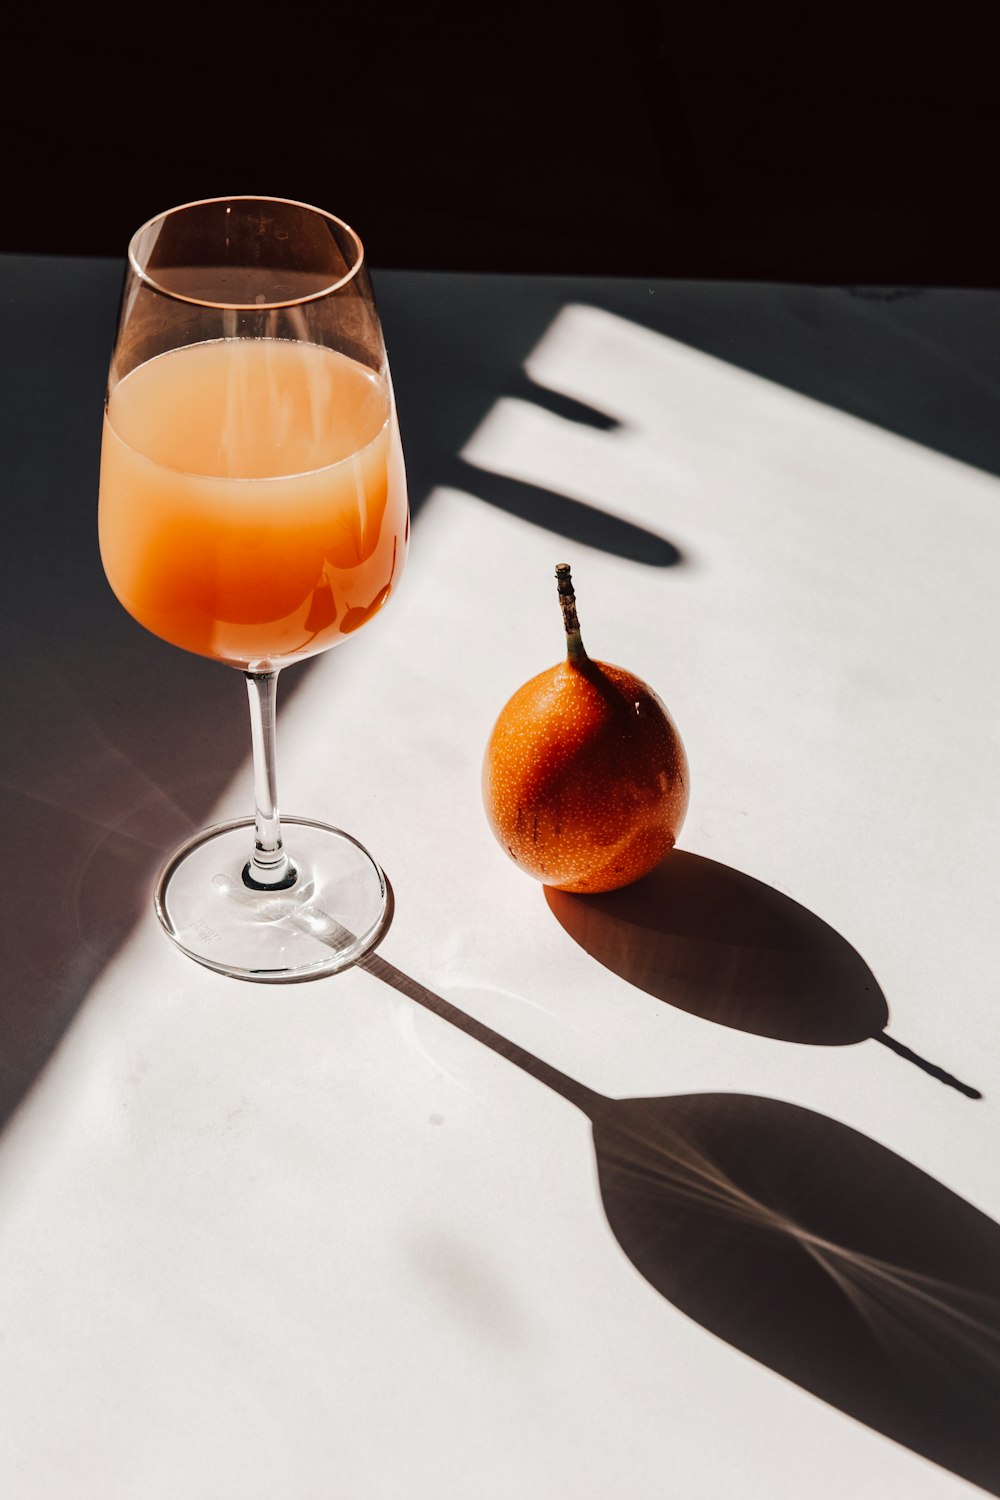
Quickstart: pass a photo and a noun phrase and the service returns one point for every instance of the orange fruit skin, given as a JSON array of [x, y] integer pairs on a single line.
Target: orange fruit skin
[[585, 778]]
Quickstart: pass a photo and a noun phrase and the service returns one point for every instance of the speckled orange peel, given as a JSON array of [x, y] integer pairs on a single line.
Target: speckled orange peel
[[585, 777]]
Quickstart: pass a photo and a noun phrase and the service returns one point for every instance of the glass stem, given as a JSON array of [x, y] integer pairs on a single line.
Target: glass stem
[[269, 869]]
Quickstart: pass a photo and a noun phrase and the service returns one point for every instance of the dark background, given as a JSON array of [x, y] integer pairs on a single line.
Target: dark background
[[649, 140]]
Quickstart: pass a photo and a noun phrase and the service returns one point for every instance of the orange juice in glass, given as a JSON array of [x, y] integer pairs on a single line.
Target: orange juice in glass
[[253, 501], [253, 509]]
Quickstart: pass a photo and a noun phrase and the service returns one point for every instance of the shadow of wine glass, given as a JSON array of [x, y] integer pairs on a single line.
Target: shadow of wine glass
[[824, 1256], [719, 944]]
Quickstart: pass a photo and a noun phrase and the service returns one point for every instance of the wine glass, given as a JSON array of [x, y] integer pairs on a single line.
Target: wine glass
[[253, 509]]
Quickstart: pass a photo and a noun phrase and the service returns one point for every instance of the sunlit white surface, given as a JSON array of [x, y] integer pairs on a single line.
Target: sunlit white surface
[[315, 1241]]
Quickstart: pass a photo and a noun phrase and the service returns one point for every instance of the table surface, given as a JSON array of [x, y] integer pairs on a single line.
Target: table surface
[[689, 1190]]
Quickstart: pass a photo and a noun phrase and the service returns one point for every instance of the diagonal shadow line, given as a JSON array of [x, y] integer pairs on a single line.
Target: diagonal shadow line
[[822, 1255], [521, 387], [796, 1239], [931, 1069], [921, 364], [576, 520]]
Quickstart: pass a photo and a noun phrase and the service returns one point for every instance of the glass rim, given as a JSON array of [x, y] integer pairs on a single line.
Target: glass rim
[[149, 280]]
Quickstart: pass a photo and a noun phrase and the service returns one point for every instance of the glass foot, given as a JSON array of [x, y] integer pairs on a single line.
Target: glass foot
[[334, 913]]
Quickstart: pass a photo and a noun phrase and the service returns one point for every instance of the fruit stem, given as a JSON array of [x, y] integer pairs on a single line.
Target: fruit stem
[[567, 598]]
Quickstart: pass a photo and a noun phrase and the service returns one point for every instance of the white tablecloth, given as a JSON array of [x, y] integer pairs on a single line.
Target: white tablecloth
[[317, 1240]]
